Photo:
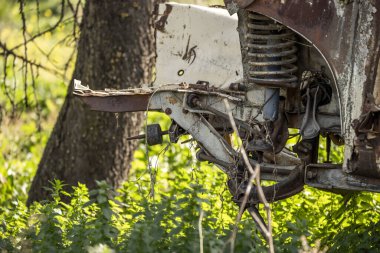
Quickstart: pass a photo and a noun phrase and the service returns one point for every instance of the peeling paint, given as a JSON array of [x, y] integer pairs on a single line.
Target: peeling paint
[[339, 8], [161, 23], [190, 51], [376, 90], [354, 78]]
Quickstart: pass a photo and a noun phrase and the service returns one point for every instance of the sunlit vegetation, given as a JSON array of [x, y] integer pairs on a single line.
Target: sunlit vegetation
[[159, 208]]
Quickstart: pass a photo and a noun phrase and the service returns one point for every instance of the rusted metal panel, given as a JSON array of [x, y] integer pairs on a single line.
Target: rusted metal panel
[[331, 177], [189, 51], [129, 100], [133, 103], [348, 38]]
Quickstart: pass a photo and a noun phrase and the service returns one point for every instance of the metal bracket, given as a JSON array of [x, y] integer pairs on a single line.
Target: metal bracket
[[196, 126], [330, 177]]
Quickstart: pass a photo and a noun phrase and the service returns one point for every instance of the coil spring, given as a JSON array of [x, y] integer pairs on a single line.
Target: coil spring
[[271, 52]]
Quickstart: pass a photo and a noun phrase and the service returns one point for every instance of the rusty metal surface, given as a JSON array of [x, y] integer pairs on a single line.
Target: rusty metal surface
[[331, 177], [133, 103], [366, 158], [327, 24], [109, 100], [347, 35], [376, 90], [286, 188], [142, 99]]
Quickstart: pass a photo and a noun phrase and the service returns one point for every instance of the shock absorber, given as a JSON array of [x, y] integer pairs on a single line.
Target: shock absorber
[[271, 59]]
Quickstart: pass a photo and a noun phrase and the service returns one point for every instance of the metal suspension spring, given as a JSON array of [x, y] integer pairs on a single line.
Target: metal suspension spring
[[271, 53]]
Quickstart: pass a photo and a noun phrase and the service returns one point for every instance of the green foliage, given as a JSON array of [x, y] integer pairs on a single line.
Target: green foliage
[[133, 219], [130, 221]]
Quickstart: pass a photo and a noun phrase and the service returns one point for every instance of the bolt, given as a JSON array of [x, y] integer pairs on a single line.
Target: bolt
[[310, 175], [168, 111], [237, 87], [193, 100], [185, 111]]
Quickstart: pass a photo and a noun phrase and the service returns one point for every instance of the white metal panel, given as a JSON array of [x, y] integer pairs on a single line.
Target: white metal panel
[[197, 43]]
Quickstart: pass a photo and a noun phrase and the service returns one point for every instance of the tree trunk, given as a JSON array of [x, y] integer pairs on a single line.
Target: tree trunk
[[115, 50]]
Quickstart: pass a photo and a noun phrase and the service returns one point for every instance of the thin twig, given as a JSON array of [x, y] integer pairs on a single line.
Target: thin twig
[[46, 55], [38, 14], [255, 174], [38, 109], [69, 60], [24, 63], [21, 51], [45, 31], [200, 232], [75, 10], [267, 209], [4, 82], [240, 214], [22, 58], [259, 221]]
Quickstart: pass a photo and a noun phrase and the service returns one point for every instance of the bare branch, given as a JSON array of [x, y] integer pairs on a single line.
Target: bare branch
[[57, 44], [240, 214], [258, 219], [38, 14], [22, 58], [38, 109], [21, 54], [75, 11], [45, 31], [24, 63], [7, 94], [255, 174], [67, 64], [200, 231], [267, 209]]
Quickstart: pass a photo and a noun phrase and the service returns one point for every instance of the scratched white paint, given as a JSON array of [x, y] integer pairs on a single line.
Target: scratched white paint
[[198, 43], [339, 8], [353, 81]]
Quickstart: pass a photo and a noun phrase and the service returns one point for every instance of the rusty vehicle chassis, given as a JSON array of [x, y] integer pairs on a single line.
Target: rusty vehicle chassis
[[345, 37], [171, 100]]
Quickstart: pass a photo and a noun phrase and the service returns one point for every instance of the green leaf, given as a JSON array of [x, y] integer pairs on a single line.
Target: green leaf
[[101, 199]]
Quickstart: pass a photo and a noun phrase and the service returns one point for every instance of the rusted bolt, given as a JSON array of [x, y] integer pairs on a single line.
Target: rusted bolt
[[168, 111]]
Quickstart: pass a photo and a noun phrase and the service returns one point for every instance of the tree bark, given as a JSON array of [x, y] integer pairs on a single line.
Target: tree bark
[[115, 50]]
